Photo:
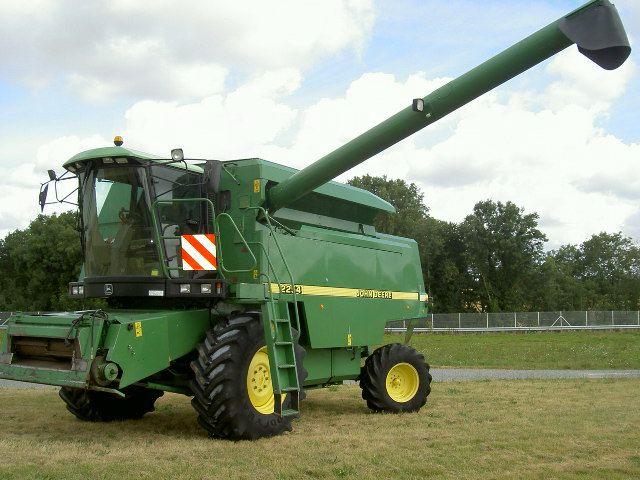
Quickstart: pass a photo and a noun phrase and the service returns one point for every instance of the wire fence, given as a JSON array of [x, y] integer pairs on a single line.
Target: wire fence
[[524, 321]]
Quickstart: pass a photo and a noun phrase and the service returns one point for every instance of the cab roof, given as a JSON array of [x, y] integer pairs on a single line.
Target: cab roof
[[273, 171], [121, 152]]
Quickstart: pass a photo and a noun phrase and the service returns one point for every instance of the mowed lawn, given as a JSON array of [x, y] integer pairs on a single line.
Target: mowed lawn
[[533, 350], [493, 429]]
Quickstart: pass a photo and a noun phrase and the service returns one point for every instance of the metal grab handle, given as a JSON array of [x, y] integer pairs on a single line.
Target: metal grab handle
[[284, 261], [166, 270], [235, 227]]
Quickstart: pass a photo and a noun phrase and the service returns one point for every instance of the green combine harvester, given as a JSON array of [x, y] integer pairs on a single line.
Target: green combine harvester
[[242, 283]]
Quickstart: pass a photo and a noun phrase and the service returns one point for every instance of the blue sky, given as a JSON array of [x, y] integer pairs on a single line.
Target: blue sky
[[449, 38], [57, 92], [440, 38]]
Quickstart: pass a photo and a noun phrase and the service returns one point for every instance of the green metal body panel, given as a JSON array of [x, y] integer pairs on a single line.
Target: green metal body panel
[[46, 376], [141, 350], [50, 326], [292, 244], [165, 336], [348, 272]]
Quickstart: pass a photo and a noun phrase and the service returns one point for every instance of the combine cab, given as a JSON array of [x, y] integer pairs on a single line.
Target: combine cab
[[242, 283]]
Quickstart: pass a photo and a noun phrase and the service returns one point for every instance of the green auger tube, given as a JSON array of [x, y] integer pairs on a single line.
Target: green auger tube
[[595, 27]]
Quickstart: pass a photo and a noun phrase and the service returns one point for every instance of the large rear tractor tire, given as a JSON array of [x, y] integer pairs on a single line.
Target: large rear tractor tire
[[232, 387], [92, 406], [395, 378]]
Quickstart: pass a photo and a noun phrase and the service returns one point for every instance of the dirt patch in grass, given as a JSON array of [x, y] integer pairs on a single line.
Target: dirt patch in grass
[[492, 429], [533, 350]]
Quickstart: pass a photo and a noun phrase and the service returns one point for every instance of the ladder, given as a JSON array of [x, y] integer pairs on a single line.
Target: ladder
[[278, 333], [275, 313], [282, 356]]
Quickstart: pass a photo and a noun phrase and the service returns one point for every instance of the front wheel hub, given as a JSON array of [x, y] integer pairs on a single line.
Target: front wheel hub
[[259, 386], [402, 382]]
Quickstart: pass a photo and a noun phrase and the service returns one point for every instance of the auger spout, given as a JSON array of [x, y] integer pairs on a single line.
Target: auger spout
[[595, 28]]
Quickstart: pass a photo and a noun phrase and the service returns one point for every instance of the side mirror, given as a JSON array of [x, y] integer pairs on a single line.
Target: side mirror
[[42, 198], [212, 170], [52, 175]]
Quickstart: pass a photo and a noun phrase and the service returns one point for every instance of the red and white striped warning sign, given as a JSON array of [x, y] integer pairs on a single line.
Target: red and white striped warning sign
[[199, 252]]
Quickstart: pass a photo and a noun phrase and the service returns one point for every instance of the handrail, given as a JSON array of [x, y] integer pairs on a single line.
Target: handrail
[[216, 229], [166, 270], [266, 255], [284, 261], [221, 263], [271, 300]]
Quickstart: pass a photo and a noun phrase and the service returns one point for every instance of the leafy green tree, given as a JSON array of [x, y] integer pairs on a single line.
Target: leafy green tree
[[439, 244], [405, 197], [446, 263], [602, 273], [38, 263], [505, 249], [556, 287]]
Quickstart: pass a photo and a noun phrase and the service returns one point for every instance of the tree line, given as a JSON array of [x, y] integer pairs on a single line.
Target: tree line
[[495, 260], [492, 261]]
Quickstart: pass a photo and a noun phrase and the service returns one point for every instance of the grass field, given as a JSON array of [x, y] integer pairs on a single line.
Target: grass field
[[543, 350], [494, 429]]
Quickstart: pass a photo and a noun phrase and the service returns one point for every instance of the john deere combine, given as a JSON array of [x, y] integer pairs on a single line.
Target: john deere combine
[[241, 283]]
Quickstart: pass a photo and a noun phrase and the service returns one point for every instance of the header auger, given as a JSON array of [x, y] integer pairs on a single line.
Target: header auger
[[242, 283]]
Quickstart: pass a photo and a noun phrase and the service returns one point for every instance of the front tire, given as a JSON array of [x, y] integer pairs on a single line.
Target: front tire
[[95, 406], [395, 378], [231, 363]]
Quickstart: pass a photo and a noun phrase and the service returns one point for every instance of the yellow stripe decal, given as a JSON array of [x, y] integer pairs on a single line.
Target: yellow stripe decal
[[344, 292]]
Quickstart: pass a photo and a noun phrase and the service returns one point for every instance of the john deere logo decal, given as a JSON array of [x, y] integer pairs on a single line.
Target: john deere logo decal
[[108, 289], [366, 293]]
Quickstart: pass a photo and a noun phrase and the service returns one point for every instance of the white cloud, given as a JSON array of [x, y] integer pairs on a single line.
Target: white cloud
[[241, 123], [544, 149], [331, 122], [20, 184], [541, 150], [160, 50], [53, 154]]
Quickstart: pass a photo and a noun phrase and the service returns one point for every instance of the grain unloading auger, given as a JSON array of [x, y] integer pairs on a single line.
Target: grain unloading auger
[[242, 283]]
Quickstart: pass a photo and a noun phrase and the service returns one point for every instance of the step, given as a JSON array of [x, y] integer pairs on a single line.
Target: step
[[281, 320], [287, 365], [289, 389], [287, 412], [279, 343]]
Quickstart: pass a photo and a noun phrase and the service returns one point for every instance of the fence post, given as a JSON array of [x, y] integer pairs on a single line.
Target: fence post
[[488, 319], [432, 325], [459, 321], [515, 321], [611, 317], [538, 318], [638, 313], [586, 318]]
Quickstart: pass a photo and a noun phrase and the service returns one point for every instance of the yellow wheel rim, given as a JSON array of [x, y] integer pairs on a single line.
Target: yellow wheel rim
[[259, 386], [402, 382]]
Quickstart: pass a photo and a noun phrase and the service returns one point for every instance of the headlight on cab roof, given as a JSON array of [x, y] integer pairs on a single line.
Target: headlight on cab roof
[[76, 290]]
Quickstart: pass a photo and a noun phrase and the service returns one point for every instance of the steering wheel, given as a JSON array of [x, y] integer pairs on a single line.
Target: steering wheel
[[140, 244], [126, 216]]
